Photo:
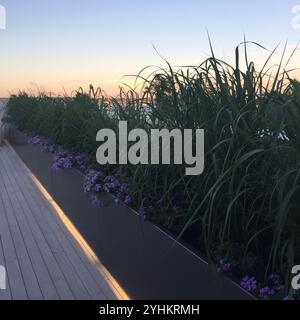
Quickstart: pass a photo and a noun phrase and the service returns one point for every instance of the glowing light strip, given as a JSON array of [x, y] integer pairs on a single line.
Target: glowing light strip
[[111, 281]]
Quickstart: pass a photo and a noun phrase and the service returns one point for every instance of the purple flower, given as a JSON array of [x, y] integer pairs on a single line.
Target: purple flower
[[127, 200], [111, 183], [40, 141], [98, 187], [90, 180], [55, 166], [275, 279], [224, 266], [279, 288], [81, 161], [66, 163], [107, 187], [62, 160], [111, 179], [266, 292], [249, 284], [35, 140], [124, 188]]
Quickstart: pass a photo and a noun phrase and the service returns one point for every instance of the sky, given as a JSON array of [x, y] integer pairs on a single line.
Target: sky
[[57, 45]]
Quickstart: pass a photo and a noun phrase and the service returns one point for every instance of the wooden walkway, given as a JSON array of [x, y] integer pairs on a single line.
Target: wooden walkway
[[43, 259]]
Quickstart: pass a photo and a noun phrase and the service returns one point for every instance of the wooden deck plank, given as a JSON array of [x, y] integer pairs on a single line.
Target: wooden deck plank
[[4, 294], [80, 293], [53, 267], [29, 276], [37, 246], [94, 267], [61, 246], [71, 271], [14, 275], [35, 272]]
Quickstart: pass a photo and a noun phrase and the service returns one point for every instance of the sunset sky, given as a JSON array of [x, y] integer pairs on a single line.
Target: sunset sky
[[53, 44]]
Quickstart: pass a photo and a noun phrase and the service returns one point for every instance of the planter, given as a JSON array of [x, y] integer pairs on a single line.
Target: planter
[[147, 262]]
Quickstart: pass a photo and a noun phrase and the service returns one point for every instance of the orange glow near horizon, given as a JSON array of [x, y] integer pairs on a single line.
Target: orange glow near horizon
[[67, 75], [109, 87]]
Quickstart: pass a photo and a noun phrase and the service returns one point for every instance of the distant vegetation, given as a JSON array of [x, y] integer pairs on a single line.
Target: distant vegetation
[[244, 211]]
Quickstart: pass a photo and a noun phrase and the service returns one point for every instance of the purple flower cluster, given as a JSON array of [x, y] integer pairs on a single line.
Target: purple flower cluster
[[68, 160], [127, 200], [249, 283], [274, 286], [62, 160], [275, 279], [97, 183], [90, 181], [224, 266], [94, 182], [81, 161], [42, 142], [111, 184], [266, 292]]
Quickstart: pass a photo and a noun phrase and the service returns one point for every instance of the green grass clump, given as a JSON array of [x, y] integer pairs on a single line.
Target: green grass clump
[[246, 203]]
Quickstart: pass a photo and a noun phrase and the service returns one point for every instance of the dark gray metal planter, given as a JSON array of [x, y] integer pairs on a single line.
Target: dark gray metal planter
[[147, 262]]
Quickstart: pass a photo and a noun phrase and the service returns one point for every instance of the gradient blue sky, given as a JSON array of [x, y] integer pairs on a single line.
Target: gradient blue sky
[[55, 43]]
